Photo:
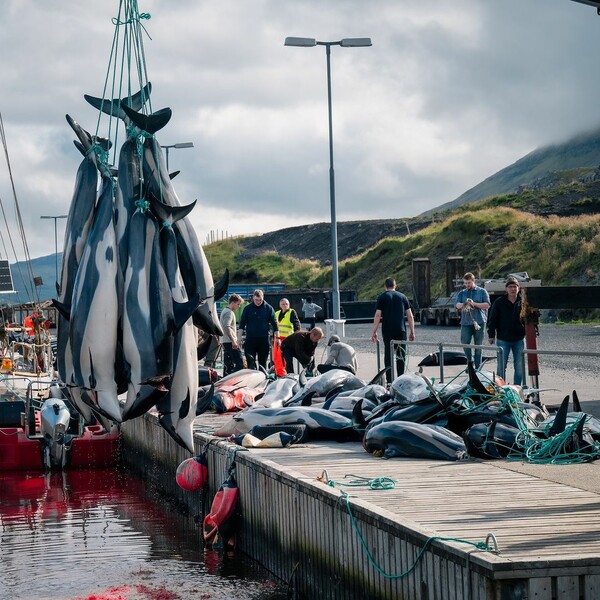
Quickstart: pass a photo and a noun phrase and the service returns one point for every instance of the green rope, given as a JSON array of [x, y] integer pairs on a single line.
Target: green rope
[[478, 545], [375, 483], [142, 205], [126, 64]]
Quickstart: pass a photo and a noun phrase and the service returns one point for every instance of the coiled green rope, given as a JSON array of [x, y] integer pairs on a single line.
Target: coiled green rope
[[346, 499]]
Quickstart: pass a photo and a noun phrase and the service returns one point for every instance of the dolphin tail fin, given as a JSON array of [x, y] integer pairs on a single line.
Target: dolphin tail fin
[[560, 419], [169, 214], [148, 123], [173, 175], [221, 286], [204, 402], [82, 135], [358, 419], [182, 311], [379, 378], [80, 147], [576, 403], [474, 381], [115, 107], [62, 308]]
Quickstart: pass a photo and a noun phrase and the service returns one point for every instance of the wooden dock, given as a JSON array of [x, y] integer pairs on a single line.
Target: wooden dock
[[309, 533]]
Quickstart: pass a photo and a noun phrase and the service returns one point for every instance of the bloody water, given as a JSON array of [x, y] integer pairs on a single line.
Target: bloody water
[[106, 535]]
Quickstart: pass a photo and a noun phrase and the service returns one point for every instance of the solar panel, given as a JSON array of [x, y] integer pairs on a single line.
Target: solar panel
[[6, 282]]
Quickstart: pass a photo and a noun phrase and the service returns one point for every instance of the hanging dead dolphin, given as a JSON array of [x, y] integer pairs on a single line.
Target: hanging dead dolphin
[[79, 222], [177, 410], [148, 319], [193, 264], [115, 106], [94, 313], [414, 440]]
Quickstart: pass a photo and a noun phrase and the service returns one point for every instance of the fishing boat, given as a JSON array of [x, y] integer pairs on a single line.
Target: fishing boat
[[40, 429]]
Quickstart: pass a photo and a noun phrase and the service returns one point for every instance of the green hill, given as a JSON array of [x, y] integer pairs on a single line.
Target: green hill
[[553, 234], [551, 165], [43, 267]]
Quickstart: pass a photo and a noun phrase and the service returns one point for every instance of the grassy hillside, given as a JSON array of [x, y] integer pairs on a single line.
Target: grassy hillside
[[493, 237]]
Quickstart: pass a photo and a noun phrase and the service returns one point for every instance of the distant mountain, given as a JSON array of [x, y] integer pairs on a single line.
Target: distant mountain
[[582, 151], [43, 267]]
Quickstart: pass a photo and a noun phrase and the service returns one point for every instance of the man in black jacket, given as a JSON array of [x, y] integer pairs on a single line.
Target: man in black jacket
[[505, 323], [301, 345], [257, 320]]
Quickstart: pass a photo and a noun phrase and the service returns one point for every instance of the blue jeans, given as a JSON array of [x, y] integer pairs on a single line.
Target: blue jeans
[[466, 333], [517, 351]]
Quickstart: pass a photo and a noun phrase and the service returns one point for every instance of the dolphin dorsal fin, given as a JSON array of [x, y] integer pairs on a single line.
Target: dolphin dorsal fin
[[560, 419]]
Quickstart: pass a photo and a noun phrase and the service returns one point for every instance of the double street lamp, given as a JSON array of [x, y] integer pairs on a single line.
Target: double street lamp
[[178, 145], [55, 238], [345, 43]]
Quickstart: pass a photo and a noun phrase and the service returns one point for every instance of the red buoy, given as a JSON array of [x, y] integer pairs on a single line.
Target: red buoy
[[192, 474]]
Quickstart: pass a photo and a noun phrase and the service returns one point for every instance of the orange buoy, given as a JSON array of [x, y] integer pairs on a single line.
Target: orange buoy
[[192, 474]]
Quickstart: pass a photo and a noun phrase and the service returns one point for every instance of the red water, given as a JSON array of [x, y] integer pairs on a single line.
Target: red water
[[103, 535]]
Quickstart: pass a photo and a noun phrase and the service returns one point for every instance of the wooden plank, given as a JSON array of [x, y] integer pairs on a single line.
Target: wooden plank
[[540, 588], [591, 587], [567, 588]]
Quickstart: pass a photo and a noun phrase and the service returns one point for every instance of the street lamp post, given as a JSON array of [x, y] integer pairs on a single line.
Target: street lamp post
[[178, 145], [55, 238], [345, 43]]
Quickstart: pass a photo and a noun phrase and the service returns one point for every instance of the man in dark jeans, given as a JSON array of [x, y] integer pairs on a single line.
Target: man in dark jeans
[[232, 354], [391, 309], [257, 320]]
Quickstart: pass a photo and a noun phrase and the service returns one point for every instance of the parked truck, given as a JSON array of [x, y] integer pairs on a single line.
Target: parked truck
[[441, 312]]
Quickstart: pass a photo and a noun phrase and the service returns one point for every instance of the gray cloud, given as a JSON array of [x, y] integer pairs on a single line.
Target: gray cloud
[[448, 94]]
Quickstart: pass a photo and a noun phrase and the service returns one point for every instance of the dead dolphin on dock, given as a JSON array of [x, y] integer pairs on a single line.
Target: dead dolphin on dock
[[345, 405], [330, 382], [560, 443], [414, 440], [322, 424], [277, 392], [238, 390]]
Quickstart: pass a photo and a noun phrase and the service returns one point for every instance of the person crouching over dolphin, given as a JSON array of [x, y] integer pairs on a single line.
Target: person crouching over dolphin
[[339, 356], [301, 345]]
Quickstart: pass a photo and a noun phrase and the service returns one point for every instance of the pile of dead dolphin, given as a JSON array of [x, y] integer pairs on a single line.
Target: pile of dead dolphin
[[412, 418], [135, 284]]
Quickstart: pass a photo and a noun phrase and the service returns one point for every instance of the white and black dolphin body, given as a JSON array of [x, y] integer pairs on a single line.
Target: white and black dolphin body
[[414, 440], [94, 313], [193, 264]]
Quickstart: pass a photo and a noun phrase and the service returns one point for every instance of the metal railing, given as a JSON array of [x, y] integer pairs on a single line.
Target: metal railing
[[440, 346]]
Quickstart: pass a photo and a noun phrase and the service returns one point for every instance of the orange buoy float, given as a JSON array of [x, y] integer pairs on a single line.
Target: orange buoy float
[[192, 473]]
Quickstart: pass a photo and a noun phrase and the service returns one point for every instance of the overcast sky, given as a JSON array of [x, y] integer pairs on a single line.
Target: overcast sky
[[449, 93]]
